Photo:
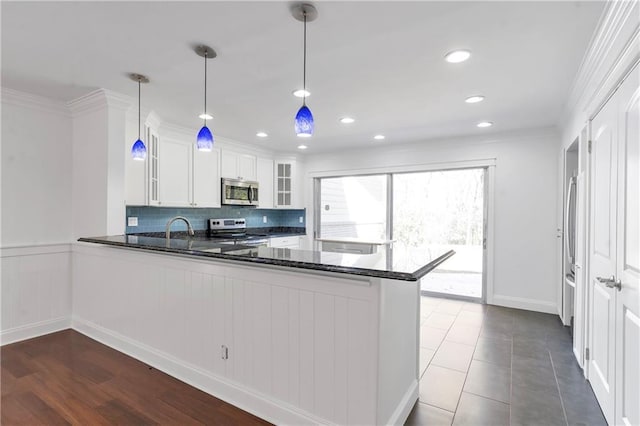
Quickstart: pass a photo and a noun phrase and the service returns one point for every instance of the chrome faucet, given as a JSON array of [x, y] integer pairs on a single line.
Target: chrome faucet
[[168, 228]]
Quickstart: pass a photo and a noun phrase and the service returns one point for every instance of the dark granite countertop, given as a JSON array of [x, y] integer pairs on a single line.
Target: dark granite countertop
[[252, 233], [381, 265]]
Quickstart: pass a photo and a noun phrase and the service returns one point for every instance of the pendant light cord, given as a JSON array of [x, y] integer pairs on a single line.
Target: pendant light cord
[[304, 61], [139, 108], [206, 52]]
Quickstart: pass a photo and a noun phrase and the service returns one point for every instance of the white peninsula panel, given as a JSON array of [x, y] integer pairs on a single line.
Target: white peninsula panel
[[291, 347]]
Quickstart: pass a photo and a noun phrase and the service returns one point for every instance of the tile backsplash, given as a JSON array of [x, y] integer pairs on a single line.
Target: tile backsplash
[[154, 219]]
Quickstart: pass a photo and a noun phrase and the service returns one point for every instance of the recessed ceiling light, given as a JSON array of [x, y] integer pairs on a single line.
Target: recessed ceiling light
[[474, 99], [303, 135], [302, 146], [457, 56], [205, 117], [301, 93], [261, 135], [347, 120], [378, 137], [485, 124]]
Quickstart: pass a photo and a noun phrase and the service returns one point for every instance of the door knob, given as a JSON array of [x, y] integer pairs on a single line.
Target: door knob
[[611, 282]]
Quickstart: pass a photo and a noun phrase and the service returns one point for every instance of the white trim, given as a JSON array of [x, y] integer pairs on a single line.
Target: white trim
[[423, 167], [593, 69], [37, 329], [29, 100], [402, 411], [97, 100], [491, 220], [527, 304], [244, 398], [35, 249]]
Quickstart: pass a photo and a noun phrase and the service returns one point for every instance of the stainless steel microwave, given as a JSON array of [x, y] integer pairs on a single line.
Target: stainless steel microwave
[[239, 192]]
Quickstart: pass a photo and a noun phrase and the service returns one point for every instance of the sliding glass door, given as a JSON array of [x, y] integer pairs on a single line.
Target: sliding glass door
[[421, 212], [438, 211]]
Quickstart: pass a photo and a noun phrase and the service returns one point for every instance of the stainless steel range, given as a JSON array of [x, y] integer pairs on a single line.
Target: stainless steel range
[[234, 231]]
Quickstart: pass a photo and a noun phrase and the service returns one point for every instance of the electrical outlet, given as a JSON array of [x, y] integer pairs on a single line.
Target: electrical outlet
[[132, 221], [301, 219], [264, 219]]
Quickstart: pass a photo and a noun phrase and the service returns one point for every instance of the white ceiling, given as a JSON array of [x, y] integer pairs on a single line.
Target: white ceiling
[[380, 62]]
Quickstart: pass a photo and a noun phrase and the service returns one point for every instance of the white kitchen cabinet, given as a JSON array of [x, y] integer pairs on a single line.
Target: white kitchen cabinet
[[153, 155], [238, 166], [265, 179], [286, 188], [285, 242], [206, 178], [174, 173]]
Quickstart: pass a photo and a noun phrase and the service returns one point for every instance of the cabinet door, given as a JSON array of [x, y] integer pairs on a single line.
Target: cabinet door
[[247, 167], [229, 164], [238, 166], [175, 173], [153, 192], [265, 179], [206, 178], [283, 182]]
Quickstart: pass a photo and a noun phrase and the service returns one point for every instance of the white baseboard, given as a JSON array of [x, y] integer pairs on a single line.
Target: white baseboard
[[527, 304], [37, 329], [400, 415], [261, 405]]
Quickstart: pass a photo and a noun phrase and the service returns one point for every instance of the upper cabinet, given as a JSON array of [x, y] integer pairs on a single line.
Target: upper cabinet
[[175, 163], [239, 166], [265, 179], [206, 178], [286, 188], [187, 177]]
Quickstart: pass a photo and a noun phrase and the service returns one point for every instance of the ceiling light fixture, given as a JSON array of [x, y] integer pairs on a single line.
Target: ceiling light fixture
[[474, 99], [304, 124], [261, 135], [347, 120], [204, 142], [457, 56], [139, 150], [301, 93], [378, 137], [205, 116], [303, 146], [483, 124]]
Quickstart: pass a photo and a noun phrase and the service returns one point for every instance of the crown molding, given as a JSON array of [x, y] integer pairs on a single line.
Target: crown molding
[[97, 100], [613, 50], [29, 100]]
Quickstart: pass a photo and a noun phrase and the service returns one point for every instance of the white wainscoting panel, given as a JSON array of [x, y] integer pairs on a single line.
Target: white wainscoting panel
[[36, 291], [301, 347]]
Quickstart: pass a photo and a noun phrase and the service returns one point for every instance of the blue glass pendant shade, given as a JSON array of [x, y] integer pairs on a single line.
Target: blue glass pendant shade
[[205, 139], [139, 151], [304, 122]]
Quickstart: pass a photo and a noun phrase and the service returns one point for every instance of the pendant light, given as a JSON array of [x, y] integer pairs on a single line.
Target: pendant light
[[139, 150], [204, 142], [304, 12]]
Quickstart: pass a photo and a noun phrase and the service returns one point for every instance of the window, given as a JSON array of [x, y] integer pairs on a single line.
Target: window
[[353, 207]]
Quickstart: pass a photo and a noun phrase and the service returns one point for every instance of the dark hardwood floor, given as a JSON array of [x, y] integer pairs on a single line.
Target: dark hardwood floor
[[68, 378]]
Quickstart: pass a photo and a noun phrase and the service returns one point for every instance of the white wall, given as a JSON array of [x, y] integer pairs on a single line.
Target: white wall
[[524, 209], [36, 170], [36, 216]]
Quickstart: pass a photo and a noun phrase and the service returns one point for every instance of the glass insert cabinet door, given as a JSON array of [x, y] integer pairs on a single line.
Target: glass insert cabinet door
[[283, 185]]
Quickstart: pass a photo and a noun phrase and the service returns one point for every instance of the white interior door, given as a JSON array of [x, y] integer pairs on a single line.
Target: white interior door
[[602, 250], [627, 372]]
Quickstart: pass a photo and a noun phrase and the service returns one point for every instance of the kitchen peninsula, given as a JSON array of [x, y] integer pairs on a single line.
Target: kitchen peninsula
[[293, 336]]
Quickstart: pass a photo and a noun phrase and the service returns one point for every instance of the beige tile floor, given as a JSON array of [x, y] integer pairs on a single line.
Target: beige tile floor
[[488, 365]]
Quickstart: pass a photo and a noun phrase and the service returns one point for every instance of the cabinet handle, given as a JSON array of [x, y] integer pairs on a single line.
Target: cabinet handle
[[224, 352]]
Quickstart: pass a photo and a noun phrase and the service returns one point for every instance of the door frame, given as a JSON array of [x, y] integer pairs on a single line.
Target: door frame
[[489, 164]]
